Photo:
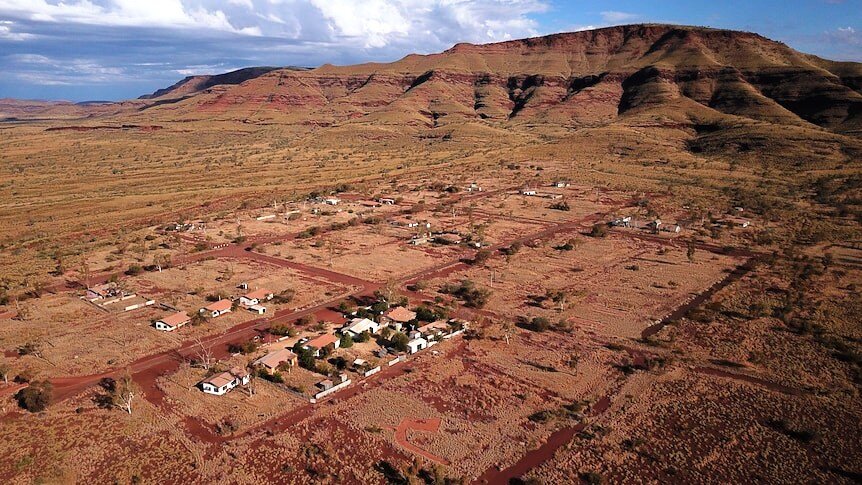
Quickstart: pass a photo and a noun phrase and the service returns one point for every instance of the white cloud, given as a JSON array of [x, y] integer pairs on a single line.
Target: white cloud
[[45, 70], [122, 13], [369, 24], [7, 32]]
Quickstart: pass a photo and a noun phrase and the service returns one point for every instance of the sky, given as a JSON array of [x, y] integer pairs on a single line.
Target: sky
[[118, 49]]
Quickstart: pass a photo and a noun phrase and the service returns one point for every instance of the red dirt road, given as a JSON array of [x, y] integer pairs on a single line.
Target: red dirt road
[[431, 425]]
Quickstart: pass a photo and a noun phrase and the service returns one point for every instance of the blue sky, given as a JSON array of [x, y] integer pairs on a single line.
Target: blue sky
[[115, 49]]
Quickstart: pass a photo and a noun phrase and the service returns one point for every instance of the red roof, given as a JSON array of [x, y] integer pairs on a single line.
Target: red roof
[[400, 314], [220, 306], [178, 318], [322, 341]]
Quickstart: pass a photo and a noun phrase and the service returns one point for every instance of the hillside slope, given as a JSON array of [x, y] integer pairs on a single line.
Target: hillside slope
[[679, 74]]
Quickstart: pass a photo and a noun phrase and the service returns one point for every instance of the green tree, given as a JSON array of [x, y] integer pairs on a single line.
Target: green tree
[[346, 341]]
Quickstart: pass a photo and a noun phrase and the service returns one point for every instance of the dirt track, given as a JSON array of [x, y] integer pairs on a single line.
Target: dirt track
[[431, 425]]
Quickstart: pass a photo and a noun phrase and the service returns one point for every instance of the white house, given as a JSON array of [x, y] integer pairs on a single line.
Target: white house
[[416, 345], [332, 201], [217, 309], [359, 325], [172, 322], [255, 297], [319, 343], [561, 184], [528, 192], [221, 384], [259, 309]]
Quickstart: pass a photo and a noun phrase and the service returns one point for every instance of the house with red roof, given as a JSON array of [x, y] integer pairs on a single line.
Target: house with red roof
[[217, 309], [172, 322], [319, 343]]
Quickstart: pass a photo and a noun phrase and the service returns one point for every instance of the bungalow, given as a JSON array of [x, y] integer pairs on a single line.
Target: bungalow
[[255, 297], [172, 322], [386, 201], [259, 309], [416, 345], [100, 292], [271, 361], [359, 325], [220, 384], [434, 329], [331, 201], [399, 314], [217, 309], [319, 343]]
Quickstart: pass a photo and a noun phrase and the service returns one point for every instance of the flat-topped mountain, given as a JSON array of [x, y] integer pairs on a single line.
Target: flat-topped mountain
[[686, 74]]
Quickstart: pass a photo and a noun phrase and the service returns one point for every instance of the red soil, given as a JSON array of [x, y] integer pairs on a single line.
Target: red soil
[[431, 425]]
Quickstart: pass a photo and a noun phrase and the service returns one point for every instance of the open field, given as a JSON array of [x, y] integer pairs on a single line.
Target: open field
[[538, 341]]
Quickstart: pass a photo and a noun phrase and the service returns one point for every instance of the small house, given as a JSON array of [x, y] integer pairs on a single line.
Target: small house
[[217, 309], [331, 201], [561, 184], [325, 385], [433, 330], [358, 325], [172, 322], [220, 384], [319, 343], [386, 201], [271, 361], [258, 309], [255, 297], [528, 192], [416, 345]]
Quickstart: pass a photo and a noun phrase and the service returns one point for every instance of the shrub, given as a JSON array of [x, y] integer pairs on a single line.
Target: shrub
[[243, 348], [561, 206], [467, 291], [346, 341], [399, 341], [134, 269], [599, 230], [35, 397], [481, 256]]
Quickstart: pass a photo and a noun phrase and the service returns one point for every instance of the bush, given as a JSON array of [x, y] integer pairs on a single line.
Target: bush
[[540, 324], [511, 250], [467, 291], [481, 256], [243, 348], [399, 341], [561, 206], [362, 337], [134, 269], [35, 397], [599, 230], [346, 341], [282, 330]]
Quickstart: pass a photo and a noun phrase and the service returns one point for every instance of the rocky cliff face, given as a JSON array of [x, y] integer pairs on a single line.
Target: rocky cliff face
[[683, 74]]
